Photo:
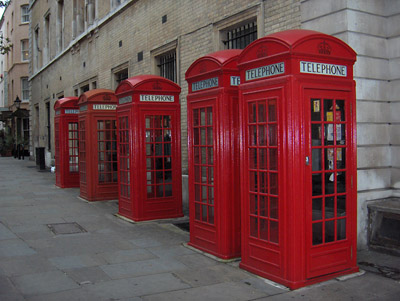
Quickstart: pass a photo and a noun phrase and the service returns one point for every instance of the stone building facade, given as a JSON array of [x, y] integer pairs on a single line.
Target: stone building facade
[[84, 44]]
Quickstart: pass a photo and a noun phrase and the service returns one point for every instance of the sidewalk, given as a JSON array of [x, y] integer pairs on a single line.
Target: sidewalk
[[87, 253]]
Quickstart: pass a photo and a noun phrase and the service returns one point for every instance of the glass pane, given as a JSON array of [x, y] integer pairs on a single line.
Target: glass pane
[[340, 158], [253, 158], [167, 121], [149, 163], [272, 135], [253, 181], [253, 226], [328, 110], [204, 174], [210, 195], [263, 229], [159, 177], [196, 117], [209, 136], [210, 176], [197, 196], [315, 109], [263, 205], [253, 204], [197, 173], [203, 155], [204, 194], [341, 229], [272, 111], [273, 159], [316, 209], [329, 231], [341, 182], [341, 206], [329, 207], [204, 213], [168, 176], [341, 134], [316, 154], [159, 191], [211, 214], [329, 138], [273, 183], [341, 116], [149, 149], [252, 113], [252, 135], [317, 233], [168, 190], [210, 156], [196, 155], [316, 134], [196, 137], [329, 183], [263, 159], [274, 231], [197, 211], [262, 141], [264, 182], [209, 116], [261, 112], [202, 117], [202, 136], [273, 207]]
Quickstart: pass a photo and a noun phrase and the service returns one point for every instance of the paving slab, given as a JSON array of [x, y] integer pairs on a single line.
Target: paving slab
[[5, 233], [24, 265], [124, 256], [90, 275], [15, 247]]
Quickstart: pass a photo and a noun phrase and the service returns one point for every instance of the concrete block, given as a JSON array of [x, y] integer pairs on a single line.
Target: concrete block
[[395, 180], [394, 91], [313, 8], [394, 134], [371, 89], [374, 156], [329, 24], [370, 179], [394, 68], [393, 45], [373, 68], [395, 156], [371, 46], [373, 112], [392, 27], [366, 23], [44, 283], [394, 115], [373, 134]]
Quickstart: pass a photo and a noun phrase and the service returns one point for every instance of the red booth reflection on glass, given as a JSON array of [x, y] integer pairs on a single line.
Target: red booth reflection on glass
[[66, 142], [213, 139], [149, 148], [98, 145], [298, 157]]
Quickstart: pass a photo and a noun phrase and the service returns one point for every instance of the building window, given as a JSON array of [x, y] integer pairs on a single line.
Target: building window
[[36, 49], [25, 128], [25, 13], [120, 76], [60, 25], [48, 126], [115, 3], [78, 24], [25, 88], [166, 64], [90, 11], [84, 88], [241, 36], [46, 47], [24, 50]]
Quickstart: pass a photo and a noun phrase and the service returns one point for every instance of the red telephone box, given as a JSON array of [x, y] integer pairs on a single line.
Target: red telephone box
[[98, 145], [298, 157], [213, 135], [66, 142], [149, 148]]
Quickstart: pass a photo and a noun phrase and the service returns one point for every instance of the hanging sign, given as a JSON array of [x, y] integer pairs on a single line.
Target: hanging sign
[[265, 71], [157, 98], [323, 69]]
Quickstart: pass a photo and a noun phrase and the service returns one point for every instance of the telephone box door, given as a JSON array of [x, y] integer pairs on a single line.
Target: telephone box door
[[329, 182]]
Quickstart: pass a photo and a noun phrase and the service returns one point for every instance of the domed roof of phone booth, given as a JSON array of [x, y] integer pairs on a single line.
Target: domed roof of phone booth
[[98, 95], [66, 102], [147, 82], [215, 61]]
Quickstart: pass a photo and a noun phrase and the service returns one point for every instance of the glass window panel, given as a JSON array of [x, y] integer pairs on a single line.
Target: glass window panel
[[204, 213], [252, 135], [329, 207], [273, 159], [211, 214], [197, 211], [340, 158], [329, 183], [329, 231], [196, 137], [149, 123], [196, 117], [159, 176], [272, 110], [341, 134], [316, 135], [272, 135], [264, 182], [211, 195], [168, 190], [341, 182], [253, 204], [317, 209], [159, 191], [197, 194], [329, 135], [263, 159], [196, 155], [341, 229], [262, 141], [253, 158], [341, 206], [315, 109], [202, 136], [209, 116], [316, 155], [203, 155], [197, 173], [317, 184], [261, 112], [149, 164], [317, 234], [149, 149], [204, 174], [210, 176], [341, 109], [252, 113], [253, 226], [100, 136], [209, 136], [328, 110], [202, 117], [263, 229], [210, 156], [274, 231], [148, 136], [273, 178], [253, 181], [204, 194], [273, 207], [263, 205], [167, 121]]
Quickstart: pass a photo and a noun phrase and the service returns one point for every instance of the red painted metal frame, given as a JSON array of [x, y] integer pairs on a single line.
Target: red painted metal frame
[[214, 190], [98, 179], [292, 258], [66, 115], [143, 154]]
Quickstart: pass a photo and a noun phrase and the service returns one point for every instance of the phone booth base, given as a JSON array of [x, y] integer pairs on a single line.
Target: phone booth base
[[66, 142], [298, 158], [213, 128], [149, 148], [98, 145]]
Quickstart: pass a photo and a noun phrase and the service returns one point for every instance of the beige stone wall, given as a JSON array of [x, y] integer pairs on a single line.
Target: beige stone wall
[[193, 27]]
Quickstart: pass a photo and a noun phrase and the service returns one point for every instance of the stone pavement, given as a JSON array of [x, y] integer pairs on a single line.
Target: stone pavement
[[87, 253]]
